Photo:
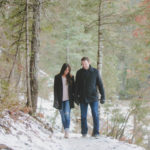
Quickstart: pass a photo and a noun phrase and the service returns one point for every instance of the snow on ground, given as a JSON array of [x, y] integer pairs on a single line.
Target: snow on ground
[[90, 143], [20, 131], [23, 133]]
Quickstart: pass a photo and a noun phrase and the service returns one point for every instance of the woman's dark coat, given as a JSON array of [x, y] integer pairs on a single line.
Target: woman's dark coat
[[58, 92]]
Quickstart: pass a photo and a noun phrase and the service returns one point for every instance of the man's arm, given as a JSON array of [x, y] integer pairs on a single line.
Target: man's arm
[[100, 87]]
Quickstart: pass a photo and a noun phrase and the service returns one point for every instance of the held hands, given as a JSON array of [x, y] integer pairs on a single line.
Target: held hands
[[76, 101]]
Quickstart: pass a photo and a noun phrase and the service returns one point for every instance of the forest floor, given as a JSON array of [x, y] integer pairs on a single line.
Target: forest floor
[[20, 131]]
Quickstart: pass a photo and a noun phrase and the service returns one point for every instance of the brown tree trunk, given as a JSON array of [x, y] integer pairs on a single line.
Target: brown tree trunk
[[29, 103], [67, 52], [67, 32], [35, 43], [99, 52], [148, 145], [134, 128]]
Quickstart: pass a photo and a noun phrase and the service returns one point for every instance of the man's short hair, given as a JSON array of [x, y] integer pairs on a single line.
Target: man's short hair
[[85, 58]]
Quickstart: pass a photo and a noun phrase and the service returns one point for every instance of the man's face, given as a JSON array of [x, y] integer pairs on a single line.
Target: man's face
[[85, 64]]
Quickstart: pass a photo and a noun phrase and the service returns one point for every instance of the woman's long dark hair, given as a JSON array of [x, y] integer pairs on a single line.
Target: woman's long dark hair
[[68, 76]]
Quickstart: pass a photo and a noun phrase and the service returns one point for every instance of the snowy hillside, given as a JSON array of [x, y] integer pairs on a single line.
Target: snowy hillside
[[19, 131]]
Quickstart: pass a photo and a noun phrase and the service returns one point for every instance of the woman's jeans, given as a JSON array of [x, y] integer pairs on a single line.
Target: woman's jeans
[[95, 115], [65, 114]]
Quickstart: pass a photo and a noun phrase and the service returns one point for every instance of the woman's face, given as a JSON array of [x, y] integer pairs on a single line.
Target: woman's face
[[66, 71]]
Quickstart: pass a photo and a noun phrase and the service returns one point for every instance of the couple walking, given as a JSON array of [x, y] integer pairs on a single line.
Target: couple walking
[[82, 91]]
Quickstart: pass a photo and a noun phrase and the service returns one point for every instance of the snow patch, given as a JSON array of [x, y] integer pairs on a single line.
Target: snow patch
[[21, 131]]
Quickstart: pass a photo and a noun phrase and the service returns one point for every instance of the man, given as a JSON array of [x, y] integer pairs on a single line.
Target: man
[[87, 81]]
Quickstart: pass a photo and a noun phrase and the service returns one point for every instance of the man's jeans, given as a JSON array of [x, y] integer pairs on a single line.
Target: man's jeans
[[95, 114], [65, 114]]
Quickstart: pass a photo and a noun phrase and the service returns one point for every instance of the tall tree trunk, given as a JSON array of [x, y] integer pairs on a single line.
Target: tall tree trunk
[[67, 53], [19, 72], [29, 103], [148, 145], [35, 43], [99, 52], [134, 127], [67, 32]]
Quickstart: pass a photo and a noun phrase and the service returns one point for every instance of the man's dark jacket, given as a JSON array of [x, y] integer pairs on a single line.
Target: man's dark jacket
[[87, 82], [58, 92]]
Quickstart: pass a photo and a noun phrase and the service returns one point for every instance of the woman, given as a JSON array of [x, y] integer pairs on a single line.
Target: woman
[[64, 95]]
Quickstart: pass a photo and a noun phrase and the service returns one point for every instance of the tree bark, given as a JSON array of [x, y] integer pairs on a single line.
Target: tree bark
[[29, 103], [67, 32], [67, 52], [99, 52], [34, 54], [148, 145], [134, 127]]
